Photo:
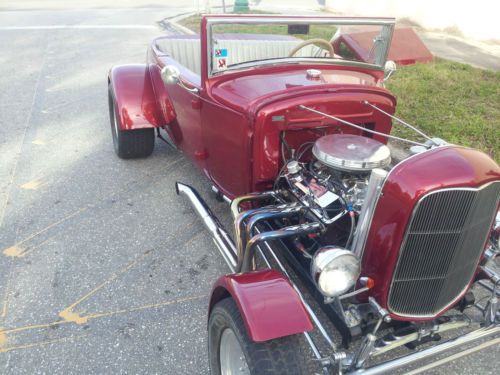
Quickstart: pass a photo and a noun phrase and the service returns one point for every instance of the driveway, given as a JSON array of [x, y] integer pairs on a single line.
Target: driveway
[[103, 269]]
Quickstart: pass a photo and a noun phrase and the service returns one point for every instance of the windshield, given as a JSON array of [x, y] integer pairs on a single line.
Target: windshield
[[242, 42]]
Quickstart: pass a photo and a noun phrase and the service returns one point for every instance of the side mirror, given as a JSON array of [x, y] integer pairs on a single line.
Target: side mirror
[[389, 68], [170, 75]]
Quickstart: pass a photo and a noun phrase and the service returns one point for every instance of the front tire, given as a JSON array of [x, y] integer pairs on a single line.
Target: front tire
[[129, 144], [227, 338]]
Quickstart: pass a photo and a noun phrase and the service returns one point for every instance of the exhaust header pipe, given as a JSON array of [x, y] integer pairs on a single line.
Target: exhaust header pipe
[[220, 236]]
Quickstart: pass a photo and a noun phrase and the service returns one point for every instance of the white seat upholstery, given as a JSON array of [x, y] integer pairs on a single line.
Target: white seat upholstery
[[239, 51], [187, 51]]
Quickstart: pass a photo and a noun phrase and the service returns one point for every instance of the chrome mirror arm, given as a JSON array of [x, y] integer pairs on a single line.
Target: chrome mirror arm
[[193, 90], [171, 75]]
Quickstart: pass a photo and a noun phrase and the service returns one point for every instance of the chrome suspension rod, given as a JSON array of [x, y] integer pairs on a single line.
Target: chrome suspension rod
[[390, 366], [360, 127], [366, 102]]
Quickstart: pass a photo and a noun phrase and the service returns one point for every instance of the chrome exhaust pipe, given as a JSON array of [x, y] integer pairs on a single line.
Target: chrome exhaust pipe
[[236, 202], [220, 236], [293, 230], [241, 218]]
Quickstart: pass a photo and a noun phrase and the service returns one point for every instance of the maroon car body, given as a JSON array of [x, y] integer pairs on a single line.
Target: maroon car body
[[233, 126]]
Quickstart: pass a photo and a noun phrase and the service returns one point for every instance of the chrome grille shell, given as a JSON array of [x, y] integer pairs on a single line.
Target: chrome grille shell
[[441, 249]]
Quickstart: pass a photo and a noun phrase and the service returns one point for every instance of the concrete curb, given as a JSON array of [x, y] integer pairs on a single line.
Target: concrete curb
[[173, 23]]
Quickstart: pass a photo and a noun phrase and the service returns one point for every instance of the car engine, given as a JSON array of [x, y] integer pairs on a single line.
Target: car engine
[[333, 183]]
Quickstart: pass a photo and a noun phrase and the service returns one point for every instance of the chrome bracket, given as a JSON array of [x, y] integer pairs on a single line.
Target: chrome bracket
[[338, 360], [364, 351], [382, 313], [490, 311]]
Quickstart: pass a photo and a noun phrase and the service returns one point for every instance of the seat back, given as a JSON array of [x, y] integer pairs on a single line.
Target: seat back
[[239, 51], [187, 51]]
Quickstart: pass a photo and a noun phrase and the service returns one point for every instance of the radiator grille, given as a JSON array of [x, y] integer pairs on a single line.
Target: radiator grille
[[441, 249]]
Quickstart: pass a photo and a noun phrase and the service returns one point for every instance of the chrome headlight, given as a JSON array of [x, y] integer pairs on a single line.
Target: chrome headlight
[[335, 270]]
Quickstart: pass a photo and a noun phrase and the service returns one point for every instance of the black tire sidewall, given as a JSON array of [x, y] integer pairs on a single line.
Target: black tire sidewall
[[132, 143], [112, 112], [218, 322], [285, 355]]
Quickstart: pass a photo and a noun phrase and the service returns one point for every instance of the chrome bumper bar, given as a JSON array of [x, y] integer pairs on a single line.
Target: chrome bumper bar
[[468, 338]]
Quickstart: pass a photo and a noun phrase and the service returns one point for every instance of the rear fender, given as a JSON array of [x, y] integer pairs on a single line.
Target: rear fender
[[136, 103], [269, 305]]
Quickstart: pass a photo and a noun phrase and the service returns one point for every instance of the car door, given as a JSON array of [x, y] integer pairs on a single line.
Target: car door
[[180, 104]]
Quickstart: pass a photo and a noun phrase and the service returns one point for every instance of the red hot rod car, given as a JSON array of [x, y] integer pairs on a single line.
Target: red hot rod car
[[340, 254]]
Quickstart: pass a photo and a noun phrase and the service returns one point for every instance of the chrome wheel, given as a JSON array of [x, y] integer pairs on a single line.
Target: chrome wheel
[[232, 359]]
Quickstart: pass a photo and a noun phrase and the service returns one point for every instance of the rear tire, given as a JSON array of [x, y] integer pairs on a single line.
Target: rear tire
[[282, 356], [129, 144]]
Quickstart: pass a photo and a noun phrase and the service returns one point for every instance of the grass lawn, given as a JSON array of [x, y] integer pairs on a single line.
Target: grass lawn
[[444, 99], [449, 100], [316, 31]]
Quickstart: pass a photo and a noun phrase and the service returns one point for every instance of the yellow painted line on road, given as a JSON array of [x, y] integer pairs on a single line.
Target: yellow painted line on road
[[4, 333], [19, 252], [3, 339], [70, 316], [13, 251], [144, 307], [33, 184], [38, 142], [41, 343], [18, 245], [11, 248], [2, 212], [6, 294], [23, 137], [10, 331]]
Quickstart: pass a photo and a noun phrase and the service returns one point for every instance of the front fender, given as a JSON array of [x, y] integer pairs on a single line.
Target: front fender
[[269, 305], [135, 98]]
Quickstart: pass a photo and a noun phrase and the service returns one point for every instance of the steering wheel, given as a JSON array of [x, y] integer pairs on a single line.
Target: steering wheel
[[317, 41]]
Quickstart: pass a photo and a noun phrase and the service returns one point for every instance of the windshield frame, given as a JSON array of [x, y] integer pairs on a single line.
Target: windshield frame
[[389, 23]]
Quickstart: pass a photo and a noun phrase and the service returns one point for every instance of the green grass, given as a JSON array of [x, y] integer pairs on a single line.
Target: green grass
[[449, 100], [315, 31]]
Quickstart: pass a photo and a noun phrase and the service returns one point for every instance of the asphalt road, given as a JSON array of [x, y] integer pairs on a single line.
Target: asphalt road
[[103, 269]]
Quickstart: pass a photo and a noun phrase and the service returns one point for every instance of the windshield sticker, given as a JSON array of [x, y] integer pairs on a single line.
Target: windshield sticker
[[221, 52], [221, 64]]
